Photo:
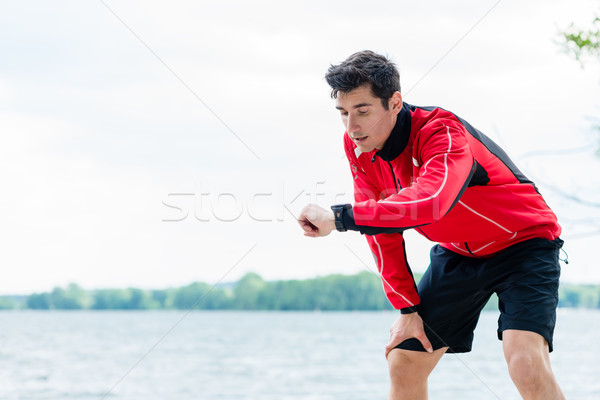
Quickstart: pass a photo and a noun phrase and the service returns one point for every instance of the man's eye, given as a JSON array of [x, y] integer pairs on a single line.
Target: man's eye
[[344, 113], [362, 111]]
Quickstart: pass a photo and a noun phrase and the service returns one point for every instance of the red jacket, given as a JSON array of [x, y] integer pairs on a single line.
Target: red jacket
[[439, 175]]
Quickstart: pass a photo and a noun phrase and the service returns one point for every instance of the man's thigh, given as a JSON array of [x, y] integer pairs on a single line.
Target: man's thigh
[[528, 288], [525, 342]]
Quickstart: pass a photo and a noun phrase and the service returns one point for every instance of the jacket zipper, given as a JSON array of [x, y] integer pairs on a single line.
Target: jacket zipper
[[396, 181], [468, 249]]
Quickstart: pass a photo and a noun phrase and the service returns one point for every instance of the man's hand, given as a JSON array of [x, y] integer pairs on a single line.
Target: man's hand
[[316, 221], [405, 327]]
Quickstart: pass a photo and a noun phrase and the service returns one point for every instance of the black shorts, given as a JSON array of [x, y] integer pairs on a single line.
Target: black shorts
[[455, 288]]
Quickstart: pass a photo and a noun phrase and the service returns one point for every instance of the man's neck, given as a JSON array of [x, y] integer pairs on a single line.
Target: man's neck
[[398, 139]]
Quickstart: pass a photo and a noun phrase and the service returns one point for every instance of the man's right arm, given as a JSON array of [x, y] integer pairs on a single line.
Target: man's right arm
[[387, 248], [390, 257]]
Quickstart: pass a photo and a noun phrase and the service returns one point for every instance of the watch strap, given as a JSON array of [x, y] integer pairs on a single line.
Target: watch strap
[[338, 213]]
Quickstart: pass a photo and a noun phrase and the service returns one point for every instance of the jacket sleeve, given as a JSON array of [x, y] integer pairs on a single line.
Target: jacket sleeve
[[387, 248], [445, 165]]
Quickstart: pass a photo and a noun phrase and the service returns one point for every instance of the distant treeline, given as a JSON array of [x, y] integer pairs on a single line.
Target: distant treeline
[[362, 291]]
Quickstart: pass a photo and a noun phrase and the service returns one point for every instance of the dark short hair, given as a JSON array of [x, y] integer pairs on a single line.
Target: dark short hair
[[365, 67]]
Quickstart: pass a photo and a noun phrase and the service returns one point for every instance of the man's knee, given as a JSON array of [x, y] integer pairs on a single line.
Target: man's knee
[[528, 362], [399, 364], [410, 367], [525, 366], [527, 359]]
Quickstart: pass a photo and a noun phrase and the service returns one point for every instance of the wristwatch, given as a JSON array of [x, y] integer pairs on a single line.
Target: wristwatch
[[338, 213]]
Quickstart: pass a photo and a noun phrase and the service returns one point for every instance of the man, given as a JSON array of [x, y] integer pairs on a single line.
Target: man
[[427, 169]]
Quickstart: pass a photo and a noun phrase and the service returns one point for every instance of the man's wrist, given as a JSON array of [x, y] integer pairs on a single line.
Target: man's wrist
[[332, 226], [409, 310]]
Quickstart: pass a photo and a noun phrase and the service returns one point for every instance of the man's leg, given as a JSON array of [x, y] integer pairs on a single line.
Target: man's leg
[[528, 362], [409, 371]]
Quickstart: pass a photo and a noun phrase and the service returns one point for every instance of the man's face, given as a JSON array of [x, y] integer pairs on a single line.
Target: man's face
[[367, 122]]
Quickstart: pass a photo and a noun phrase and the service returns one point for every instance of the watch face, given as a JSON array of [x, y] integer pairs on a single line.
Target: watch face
[[341, 206]]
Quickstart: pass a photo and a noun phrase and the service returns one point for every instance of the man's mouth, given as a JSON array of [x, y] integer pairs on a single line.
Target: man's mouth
[[359, 139]]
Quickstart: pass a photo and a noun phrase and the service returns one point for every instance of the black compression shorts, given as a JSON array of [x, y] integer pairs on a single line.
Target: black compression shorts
[[455, 288]]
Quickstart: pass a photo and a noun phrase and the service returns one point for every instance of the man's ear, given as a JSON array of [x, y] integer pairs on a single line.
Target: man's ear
[[395, 103]]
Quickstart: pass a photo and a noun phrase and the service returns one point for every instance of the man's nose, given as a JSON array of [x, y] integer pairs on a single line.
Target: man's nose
[[352, 126]]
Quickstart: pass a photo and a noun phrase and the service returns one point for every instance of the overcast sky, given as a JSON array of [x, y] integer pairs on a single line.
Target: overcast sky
[[153, 144]]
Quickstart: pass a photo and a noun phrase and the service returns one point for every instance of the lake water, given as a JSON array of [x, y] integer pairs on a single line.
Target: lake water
[[256, 355]]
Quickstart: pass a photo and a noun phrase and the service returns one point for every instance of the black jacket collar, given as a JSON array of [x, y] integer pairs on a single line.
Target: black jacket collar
[[398, 139]]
